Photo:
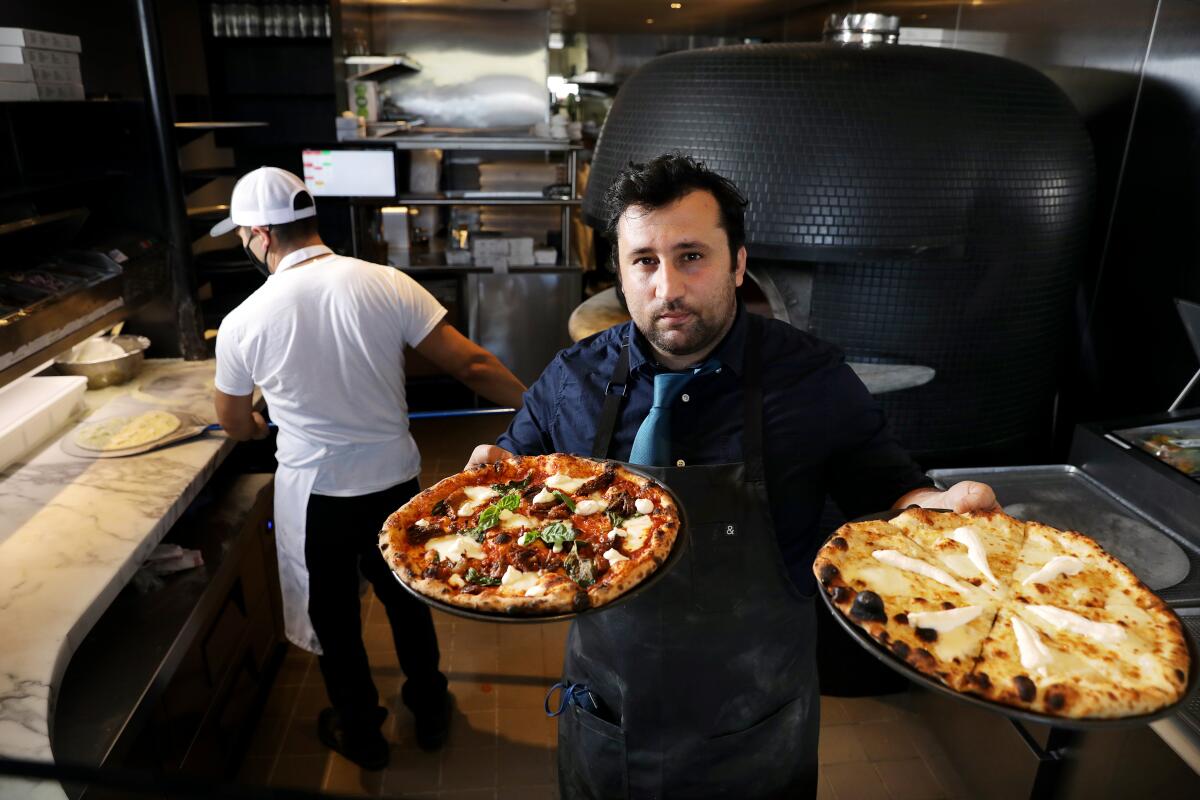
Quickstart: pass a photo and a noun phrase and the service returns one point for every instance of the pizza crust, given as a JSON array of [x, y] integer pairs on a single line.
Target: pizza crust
[[405, 535]]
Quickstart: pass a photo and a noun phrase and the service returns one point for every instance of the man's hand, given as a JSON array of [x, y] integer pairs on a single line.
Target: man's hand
[[962, 497], [486, 454]]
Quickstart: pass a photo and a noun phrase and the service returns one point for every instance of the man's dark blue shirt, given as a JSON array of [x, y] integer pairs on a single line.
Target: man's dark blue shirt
[[823, 432]]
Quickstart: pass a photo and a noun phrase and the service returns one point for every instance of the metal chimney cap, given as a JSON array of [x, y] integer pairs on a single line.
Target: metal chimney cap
[[862, 28]]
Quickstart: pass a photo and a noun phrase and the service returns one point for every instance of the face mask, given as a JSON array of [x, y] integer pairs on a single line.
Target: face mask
[[258, 263]]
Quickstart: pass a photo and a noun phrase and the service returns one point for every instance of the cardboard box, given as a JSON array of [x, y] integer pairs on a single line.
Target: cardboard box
[[44, 40], [59, 91], [18, 91], [16, 73], [46, 58], [52, 74]]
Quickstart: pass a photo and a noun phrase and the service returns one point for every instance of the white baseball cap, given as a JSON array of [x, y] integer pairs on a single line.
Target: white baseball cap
[[266, 196]]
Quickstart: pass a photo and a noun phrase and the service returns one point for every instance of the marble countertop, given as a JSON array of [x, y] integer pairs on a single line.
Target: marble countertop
[[72, 533]]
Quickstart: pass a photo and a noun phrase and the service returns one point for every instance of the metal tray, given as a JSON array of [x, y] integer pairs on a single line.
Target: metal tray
[[874, 648], [677, 551]]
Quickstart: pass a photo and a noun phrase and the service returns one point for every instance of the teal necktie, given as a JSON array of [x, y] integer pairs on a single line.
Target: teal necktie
[[652, 445]]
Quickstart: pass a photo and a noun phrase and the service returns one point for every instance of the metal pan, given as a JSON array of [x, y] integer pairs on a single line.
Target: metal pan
[[677, 552], [873, 647]]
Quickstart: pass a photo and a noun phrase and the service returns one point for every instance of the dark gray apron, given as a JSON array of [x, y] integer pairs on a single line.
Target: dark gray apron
[[708, 679]]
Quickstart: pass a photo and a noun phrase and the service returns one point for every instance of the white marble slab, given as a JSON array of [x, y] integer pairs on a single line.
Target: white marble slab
[[72, 533]]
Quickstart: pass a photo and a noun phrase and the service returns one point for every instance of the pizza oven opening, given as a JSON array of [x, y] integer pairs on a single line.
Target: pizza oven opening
[[914, 205]]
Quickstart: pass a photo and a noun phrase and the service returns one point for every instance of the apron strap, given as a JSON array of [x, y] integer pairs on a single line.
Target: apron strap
[[752, 430], [614, 393]]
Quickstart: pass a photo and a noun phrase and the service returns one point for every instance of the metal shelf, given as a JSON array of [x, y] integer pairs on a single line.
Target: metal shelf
[[452, 200]]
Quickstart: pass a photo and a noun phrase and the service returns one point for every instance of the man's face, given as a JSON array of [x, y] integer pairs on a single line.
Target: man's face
[[677, 276]]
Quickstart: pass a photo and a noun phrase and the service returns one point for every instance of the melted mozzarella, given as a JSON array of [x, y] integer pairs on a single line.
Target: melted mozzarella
[[476, 496], [1055, 568], [564, 483], [519, 582], [894, 558], [944, 621], [456, 580], [543, 497], [511, 522], [614, 556], [534, 591], [967, 537], [455, 548], [586, 508], [635, 531], [1035, 655], [1061, 619], [643, 505]]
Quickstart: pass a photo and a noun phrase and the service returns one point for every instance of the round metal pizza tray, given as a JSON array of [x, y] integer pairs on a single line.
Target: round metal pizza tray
[[869, 644], [677, 551]]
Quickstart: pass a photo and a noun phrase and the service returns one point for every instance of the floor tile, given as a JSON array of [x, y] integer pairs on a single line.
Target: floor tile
[[521, 765], [300, 772], [527, 726], [309, 703], [255, 770], [474, 729], [825, 788], [947, 776], [909, 779], [281, 701], [471, 695], [886, 741], [267, 738], [346, 777], [474, 661], [547, 791], [468, 794], [412, 771], [301, 740], [840, 744], [468, 768], [855, 781], [522, 696], [833, 712], [869, 709]]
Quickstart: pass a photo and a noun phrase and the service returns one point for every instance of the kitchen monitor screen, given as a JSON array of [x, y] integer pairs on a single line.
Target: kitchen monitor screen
[[350, 173]]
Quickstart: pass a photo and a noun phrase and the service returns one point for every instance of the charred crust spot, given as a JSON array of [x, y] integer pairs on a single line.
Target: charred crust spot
[[440, 508], [868, 607], [841, 594], [927, 634], [498, 467], [1026, 690], [924, 656], [947, 605], [981, 680], [920, 599], [975, 581], [581, 601], [827, 573], [1179, 676], [1055, 700], [839, 543], [900, 619], [383, 546], [503, 538], [900, 649]]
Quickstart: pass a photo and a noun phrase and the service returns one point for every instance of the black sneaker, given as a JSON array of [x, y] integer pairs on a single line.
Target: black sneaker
[[366, 747], [433, 724]]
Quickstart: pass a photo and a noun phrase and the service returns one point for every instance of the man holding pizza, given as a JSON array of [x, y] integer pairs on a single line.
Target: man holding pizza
[[706, 684]]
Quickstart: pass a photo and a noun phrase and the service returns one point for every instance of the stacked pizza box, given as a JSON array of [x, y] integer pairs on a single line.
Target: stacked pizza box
[[39, 65]]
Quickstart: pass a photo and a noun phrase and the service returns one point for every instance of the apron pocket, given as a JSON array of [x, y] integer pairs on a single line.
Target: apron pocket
[[591, 757], [775, 757]]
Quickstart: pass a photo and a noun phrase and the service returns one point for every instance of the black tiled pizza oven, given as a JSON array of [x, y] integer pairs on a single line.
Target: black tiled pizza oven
[[915, 205]]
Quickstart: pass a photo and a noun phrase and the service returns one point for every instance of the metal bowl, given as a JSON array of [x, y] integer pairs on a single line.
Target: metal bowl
[[109, 371]]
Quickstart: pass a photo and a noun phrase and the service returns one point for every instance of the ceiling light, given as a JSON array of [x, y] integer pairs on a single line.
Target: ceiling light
[[677, 5], [556, 40], [649, 20]]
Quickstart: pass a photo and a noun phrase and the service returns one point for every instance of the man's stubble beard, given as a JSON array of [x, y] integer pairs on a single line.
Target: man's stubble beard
[[701, 332]]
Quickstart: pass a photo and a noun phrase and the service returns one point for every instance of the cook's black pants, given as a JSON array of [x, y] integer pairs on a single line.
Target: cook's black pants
[[342, 538]]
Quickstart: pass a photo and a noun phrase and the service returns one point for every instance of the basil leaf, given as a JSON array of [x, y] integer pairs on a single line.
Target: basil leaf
[[517, 486], [474, 576], [557, 532], [615, 519], [529, 537], [510, 501], [566, 500]]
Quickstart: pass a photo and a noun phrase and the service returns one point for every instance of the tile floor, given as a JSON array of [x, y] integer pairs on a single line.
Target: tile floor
[[502, 745]]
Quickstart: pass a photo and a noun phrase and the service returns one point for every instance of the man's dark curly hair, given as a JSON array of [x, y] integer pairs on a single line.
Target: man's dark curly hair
[[665, 179]]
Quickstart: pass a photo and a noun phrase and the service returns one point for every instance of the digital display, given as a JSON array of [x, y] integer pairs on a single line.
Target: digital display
[[350, 173]]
